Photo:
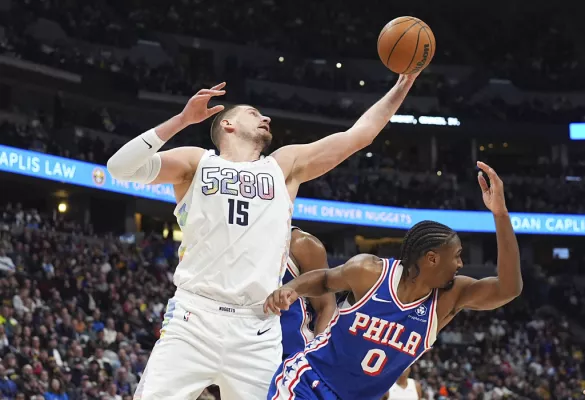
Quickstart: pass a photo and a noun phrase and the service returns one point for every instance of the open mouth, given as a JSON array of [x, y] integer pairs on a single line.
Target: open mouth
[[266, 128]]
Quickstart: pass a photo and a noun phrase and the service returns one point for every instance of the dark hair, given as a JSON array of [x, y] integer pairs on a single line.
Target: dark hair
[[216, 129], [422, 237]]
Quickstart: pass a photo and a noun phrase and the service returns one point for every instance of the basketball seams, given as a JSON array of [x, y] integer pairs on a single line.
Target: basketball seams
[[387, 28], [398, 41], [415, 50], [393, 45]]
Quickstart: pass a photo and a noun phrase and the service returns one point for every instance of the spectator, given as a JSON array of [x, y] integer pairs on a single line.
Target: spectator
[[8, 388]]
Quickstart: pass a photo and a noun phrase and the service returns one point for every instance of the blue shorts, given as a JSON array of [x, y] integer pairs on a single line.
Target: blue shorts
[[298, 382]]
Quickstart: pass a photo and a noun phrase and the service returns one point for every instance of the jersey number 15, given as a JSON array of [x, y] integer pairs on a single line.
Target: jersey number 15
[[231, 182]]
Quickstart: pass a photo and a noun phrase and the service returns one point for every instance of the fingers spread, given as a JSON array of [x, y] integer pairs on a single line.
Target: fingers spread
[[215, 110]]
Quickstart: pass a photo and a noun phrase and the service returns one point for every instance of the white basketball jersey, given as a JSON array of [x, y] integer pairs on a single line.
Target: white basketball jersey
[[236, 223], [407, 393]]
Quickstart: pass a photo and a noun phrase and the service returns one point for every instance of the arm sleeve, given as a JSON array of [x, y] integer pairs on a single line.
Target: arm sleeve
[[138, 160]]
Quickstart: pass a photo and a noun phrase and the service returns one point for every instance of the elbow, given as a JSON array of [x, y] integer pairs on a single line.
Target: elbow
[[519, 288], [116, 168], [363, 140], [113, 166], [515, 291], [519, 283]]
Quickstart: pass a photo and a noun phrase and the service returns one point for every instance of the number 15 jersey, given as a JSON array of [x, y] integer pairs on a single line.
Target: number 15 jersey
[[236, 224]]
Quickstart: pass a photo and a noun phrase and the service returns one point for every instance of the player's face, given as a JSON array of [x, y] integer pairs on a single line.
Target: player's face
[[254, 126], [446, 262]]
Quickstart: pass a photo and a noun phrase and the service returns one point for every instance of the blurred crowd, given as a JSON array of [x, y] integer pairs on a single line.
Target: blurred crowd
[[541, 56], [513, 352], [80, 313]]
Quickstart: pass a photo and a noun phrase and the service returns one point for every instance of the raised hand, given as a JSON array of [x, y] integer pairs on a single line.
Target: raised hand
[[196, 109], [493, 194]]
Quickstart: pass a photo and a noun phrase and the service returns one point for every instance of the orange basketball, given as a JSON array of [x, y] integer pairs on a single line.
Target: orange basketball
[[406, 45]]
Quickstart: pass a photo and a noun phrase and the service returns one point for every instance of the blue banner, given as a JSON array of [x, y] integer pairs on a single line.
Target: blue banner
[[463, 221], [96, 176], [75, 172]]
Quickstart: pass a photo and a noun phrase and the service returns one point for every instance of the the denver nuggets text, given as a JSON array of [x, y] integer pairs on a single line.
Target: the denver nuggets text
[[385, 333], [230, 182]]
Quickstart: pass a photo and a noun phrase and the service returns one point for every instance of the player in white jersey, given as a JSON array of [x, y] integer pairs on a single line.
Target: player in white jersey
[[405, 388], [235, 211]]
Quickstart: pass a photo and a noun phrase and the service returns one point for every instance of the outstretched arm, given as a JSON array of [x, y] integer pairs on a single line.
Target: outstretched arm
[[139, 160], [304, 162], [494, 292], [359, 274]]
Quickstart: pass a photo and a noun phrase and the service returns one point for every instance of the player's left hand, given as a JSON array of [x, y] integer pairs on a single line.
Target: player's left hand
[[493, 194], [280, 299]]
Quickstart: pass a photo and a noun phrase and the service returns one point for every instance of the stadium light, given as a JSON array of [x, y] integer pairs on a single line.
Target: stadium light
[[62, 207]]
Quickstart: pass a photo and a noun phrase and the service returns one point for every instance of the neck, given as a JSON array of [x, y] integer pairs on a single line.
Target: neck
[[240, 151], [411, 290]]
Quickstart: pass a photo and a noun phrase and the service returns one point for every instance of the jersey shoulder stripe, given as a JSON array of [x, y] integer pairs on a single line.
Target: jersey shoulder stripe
[[372, 290]]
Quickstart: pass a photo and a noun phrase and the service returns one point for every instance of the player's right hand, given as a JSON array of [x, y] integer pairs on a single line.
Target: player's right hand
[[196, 109], [409, 77], [280, 299]]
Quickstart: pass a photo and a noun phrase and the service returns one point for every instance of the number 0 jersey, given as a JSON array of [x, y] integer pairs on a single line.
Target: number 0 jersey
[[367, 345], [236, 224]]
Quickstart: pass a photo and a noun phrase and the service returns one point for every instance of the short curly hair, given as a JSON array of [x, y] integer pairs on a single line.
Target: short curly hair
[[421, 238]]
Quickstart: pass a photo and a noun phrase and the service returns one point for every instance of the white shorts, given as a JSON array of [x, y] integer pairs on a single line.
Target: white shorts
[[204, 342]]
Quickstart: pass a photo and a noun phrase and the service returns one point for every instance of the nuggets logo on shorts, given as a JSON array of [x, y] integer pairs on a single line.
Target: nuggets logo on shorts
[[99, 176]]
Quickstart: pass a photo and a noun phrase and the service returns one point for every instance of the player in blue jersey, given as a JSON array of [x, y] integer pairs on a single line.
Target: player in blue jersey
[[307, 253], [396, 308]]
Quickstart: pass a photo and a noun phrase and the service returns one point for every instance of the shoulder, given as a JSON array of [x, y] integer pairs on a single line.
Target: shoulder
[[285, 157], [366, 264], [300, 238], [187, 152], [307, 252], [361, 273]]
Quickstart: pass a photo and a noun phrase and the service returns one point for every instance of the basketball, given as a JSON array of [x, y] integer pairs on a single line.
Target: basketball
[[406, 45]]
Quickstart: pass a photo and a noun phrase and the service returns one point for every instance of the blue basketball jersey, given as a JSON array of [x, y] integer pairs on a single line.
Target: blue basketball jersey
[[296, 333], [366, 347]]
